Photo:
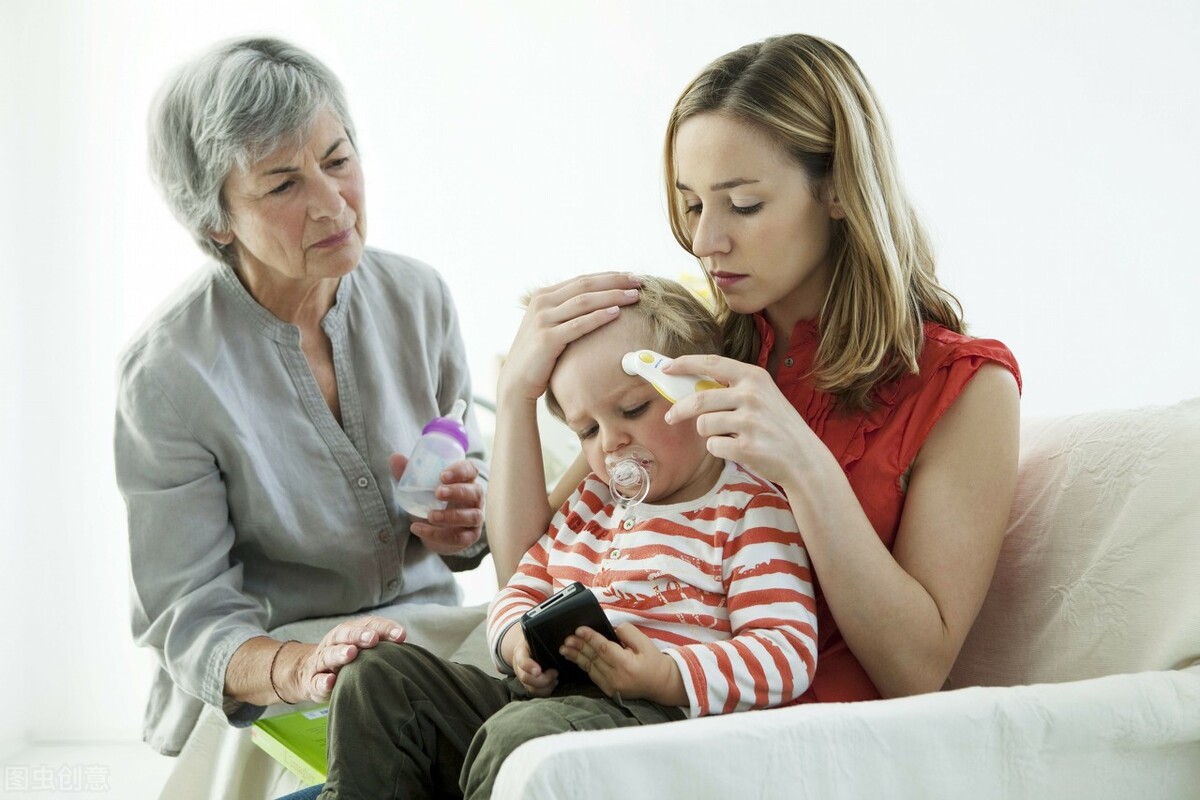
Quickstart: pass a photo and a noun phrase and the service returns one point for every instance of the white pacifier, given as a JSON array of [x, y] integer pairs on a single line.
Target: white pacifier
[[629, 475]]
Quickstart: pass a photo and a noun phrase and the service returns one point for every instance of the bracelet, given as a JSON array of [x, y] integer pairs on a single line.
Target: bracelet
[[271, 671]]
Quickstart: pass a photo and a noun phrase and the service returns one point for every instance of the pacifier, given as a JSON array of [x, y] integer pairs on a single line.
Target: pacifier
[[629, 475]]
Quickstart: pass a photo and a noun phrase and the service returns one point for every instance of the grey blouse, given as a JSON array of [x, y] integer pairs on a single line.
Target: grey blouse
[[249, 505]]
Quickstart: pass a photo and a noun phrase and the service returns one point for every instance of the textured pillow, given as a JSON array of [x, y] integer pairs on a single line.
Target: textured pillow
[[1100, 568]]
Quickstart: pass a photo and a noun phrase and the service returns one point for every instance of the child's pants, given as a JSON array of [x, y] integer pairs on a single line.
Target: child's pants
[[407, 724]]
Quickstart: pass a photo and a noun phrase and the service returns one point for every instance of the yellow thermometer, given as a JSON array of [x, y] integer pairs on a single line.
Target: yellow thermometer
[[648, 365]]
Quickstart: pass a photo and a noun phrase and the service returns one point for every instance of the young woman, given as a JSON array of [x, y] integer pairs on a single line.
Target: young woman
[[851, 382]]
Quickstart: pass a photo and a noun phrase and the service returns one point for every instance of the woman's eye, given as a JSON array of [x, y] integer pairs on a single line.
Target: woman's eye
[[339, 162], [282, 188], [695, 208], [747, 210], [637, 411]]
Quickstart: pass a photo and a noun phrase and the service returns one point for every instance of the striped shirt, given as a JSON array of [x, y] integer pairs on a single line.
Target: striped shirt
[[720, 583]]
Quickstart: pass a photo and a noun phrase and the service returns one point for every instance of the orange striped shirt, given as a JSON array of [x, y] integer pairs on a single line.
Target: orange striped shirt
[[720, 583]]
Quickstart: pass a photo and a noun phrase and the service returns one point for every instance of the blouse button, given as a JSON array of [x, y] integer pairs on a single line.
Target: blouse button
[[614, 553], [627, 524], [363, 483], [787, 362], [385, 536], [393, 583]]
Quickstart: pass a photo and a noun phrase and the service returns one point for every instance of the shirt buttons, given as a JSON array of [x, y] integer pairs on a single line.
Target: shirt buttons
[[614, 553], [627, 524], [787, 362], [385, 536], [393, 583], [363, 482]]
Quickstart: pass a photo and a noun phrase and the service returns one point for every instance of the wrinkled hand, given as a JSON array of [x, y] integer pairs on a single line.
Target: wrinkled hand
[[556, 316], [749, 421], [638, 670], [538, 682], [313, 669], [460, 524]]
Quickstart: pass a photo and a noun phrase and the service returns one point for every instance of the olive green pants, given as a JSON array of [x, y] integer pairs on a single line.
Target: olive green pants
[[407, 724]]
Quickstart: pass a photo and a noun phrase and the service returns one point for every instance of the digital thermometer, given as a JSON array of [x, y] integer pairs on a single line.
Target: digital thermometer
[[648, 365]]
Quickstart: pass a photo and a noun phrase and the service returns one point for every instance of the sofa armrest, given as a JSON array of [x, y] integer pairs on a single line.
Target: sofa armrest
[[1132, 735], [1097, 574]]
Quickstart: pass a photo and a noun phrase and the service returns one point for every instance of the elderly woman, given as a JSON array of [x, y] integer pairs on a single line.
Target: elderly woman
[[257, 410]]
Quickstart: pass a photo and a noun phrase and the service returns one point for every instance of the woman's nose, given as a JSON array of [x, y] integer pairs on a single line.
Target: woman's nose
[[709, 237], [326, 201]]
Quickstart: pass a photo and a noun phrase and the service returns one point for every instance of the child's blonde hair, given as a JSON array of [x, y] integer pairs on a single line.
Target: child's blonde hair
[[677, 323]]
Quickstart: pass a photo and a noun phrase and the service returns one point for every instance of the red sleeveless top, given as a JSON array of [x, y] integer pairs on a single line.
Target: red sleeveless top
[[875, 449]]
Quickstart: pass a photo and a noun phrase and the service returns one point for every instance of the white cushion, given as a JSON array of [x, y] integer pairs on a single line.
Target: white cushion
[[1100, 568], [1112, 738]]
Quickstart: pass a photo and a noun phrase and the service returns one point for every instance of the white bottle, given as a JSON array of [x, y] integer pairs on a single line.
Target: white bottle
[[443, 441]]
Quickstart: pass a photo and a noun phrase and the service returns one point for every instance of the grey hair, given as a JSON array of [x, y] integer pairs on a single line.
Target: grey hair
[[229, 108]]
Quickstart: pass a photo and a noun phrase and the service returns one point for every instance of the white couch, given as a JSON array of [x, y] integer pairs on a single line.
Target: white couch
[[1081, 677]]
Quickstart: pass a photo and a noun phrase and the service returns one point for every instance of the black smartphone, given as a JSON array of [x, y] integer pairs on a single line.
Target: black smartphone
[[547, 626]]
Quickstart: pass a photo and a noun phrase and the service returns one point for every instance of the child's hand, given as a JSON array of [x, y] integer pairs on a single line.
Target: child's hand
[[639, 670], [537, 682]]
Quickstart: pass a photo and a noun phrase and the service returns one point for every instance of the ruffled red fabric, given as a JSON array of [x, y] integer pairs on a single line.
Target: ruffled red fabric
[[875, 449]]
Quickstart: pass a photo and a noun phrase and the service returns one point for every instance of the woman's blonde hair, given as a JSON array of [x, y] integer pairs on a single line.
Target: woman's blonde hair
[[676, 321], [809, 95]]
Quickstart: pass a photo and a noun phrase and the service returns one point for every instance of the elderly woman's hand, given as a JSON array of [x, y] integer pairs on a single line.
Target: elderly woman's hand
[[460, 524], [307, 672]]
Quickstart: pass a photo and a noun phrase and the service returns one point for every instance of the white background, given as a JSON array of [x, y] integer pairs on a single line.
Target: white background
[[1050, 146]]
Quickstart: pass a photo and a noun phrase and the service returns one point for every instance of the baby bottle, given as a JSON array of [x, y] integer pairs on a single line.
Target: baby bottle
[[443, 441]]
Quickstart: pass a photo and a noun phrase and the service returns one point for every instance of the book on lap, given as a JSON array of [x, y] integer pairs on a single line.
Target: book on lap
[[297, 741]]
